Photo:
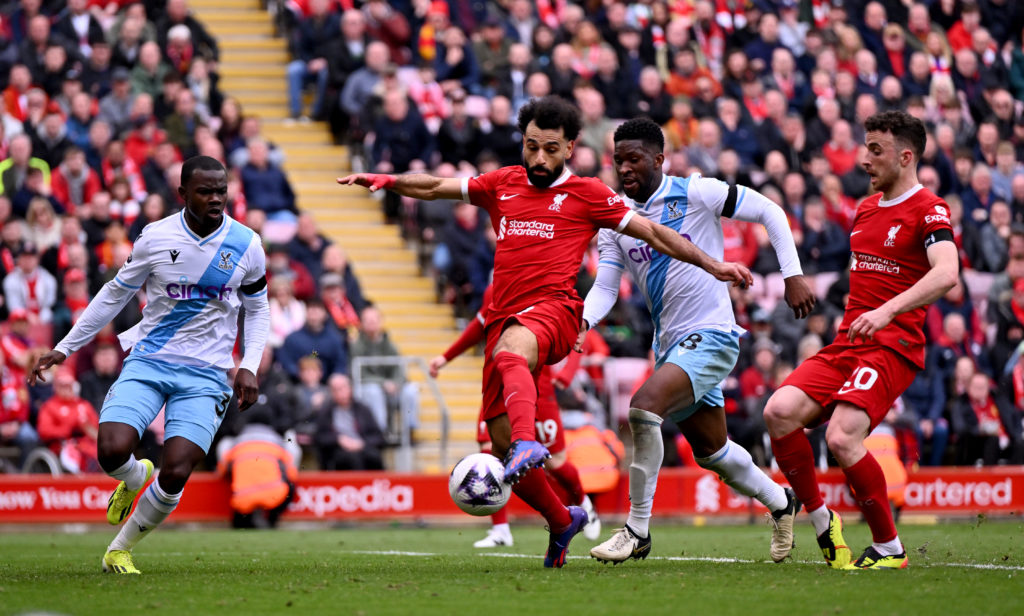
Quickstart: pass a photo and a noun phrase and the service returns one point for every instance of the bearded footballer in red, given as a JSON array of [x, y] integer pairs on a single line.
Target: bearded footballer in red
[[904, 258], [544, 218]]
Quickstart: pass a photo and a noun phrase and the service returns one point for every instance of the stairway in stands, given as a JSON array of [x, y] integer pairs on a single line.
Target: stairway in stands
[[252, 69]]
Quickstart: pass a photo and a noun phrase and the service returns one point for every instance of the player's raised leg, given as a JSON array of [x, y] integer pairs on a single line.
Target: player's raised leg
[[515, 357], [845, 436], [118, 438], [564, 522], [180, 456], [706, 432], [788, 411]]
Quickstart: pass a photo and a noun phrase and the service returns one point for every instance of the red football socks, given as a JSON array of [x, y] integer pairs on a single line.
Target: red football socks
[[868, 484], [568, 478], [535, 490], [520, 394], [795, 458]]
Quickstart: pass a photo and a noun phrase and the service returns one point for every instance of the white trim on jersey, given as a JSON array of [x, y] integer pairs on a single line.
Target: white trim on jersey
[[898, 200]]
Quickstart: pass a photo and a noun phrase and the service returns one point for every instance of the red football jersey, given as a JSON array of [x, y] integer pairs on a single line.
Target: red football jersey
[[889, 241], [542, 232]]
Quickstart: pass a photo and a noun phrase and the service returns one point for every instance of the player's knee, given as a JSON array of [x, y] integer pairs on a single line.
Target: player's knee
[[842, 445], [775, 413], [173, 475], [113, 452], [648, 402]]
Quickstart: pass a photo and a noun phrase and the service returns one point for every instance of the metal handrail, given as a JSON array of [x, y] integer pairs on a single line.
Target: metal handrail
[[403, 461]]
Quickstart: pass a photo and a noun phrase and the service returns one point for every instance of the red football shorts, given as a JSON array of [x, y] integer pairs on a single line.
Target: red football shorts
[[870, 377], [556, 326], [548, 421]]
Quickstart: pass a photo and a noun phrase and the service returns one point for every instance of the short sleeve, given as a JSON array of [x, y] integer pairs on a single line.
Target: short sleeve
[[256, 259], [480, 191], [935, 218], [136, 269], [709, 193], [607, 210], [610, 250]]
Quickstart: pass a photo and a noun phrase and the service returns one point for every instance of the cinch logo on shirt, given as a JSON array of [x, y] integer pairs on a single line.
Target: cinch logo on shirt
[[870, 263], [194, 291], [644, 253], [525, 228]]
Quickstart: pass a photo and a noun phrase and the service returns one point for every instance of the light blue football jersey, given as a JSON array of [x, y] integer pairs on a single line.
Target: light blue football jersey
[[682, 298]]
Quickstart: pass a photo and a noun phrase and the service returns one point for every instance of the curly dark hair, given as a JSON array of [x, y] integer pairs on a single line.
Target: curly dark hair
[[903, 126], [644, 130], [199, 163], [551, 113]]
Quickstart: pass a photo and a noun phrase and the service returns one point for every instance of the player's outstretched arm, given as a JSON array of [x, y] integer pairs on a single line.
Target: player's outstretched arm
[[416, 185], [945, 268], [668, 242], [107, 304], [470, 337], [743, 203]]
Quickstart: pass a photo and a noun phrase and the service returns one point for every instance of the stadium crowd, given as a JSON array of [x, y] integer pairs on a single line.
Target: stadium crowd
[[102, 102]]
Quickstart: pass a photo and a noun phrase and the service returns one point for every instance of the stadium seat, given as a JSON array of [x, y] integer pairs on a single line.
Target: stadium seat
[[42, 460], [620, 374]]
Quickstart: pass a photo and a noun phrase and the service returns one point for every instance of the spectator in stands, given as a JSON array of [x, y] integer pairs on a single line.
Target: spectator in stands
[[14, 169], [148, 75], [345, 55], [181, 125], [177, 13], [106, 366], [15, 427], [501, 136], [19, 81], [310, 41], [50, 139], [334, 261], [402, 141], [650, 98], [492, 53], [44, 226], [987, 426], [308, 245], [384, 387], [360, 85], [75, 298], [703, 152], [347, 437], [266, 186], [287, 314], [317, 336], [35, 187], [29, 287], [115, 108], [68, 425], [280, 263], [385, 24], [458, 138], [127, 35], [315, 397], [978, 197], [74, 182], [340, 309], [455, 63]]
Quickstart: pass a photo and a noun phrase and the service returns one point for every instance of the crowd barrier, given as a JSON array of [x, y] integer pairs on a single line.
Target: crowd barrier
[[337, 497]]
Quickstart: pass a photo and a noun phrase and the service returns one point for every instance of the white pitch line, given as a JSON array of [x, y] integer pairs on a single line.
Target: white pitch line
[[702, 559]]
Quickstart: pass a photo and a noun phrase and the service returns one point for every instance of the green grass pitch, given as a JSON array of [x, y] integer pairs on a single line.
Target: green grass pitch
[[956, 568]]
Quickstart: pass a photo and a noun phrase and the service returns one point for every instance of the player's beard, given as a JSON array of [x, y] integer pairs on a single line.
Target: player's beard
[[546, 180]]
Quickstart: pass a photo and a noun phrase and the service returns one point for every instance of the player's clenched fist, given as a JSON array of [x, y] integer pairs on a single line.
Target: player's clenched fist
[[246, 388], [735, 273], [436, 364], [373, 181]]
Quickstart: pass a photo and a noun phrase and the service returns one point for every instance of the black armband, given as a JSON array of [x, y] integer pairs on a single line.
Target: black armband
[[255, 287], [942, 235], [730, 202]]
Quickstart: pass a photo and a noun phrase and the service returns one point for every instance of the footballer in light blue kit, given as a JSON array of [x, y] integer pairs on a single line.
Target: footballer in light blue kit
[[198, 267], [696, 339]]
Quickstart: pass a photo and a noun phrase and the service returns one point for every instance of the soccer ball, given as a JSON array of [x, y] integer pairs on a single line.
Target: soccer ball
[[477, 484]]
